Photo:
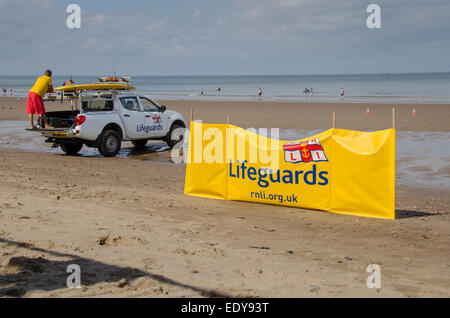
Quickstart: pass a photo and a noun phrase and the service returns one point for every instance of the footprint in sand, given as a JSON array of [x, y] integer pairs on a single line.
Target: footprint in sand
[[108, 240]]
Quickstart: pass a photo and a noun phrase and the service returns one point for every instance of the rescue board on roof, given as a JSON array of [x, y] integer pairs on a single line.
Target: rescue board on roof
[[95, 87]]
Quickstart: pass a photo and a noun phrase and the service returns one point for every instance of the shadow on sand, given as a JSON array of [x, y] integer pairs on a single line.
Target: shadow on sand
[[39, 273], [405, 214]]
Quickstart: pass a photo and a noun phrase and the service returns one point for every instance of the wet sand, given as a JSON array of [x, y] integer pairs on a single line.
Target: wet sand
[[134, 233], [422, 158]]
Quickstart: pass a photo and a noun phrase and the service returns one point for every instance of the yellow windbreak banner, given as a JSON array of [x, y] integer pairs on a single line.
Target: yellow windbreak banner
[[341, 171]]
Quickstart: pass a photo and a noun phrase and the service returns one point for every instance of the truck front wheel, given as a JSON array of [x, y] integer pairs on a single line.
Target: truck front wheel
[[110, 143], [175, 135], [71, 149]]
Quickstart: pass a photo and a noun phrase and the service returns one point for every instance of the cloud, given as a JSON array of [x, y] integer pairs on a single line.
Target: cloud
[[252, 13], [221, 22], [96, 19]]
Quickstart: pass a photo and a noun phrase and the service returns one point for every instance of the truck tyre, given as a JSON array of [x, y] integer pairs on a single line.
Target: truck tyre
[[71, 149], [173, 140], [139, 144], [110, 143]]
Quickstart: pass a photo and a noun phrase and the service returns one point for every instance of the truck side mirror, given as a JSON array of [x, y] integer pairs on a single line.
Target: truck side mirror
[[163, 108]]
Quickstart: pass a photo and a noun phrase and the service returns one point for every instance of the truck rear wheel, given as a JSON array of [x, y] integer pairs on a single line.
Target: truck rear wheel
[[71, 149], [110, 143], [139, 144]]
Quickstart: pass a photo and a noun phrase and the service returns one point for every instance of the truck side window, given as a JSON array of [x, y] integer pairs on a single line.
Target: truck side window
[[96, 105], [109, 105], [130, 103], [148, 105]]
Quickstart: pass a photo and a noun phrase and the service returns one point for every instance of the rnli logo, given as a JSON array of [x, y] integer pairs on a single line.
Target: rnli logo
[[156, 118], [304, 151]]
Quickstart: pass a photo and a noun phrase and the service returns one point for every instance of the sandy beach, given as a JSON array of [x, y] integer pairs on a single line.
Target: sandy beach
[[285, 115], [128, 225]]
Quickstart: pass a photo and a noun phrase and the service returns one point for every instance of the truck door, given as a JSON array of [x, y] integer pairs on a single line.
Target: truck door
[[155, 117], [132, 117]]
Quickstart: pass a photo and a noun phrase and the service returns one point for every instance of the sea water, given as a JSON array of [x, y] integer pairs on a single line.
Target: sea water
[[373, 88]]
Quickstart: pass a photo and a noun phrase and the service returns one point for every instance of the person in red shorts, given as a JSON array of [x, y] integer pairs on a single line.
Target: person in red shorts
[[35, 105]]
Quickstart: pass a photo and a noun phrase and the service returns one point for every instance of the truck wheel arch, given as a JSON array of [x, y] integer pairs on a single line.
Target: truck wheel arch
[[113, 126], [178, 122], [175, 122]]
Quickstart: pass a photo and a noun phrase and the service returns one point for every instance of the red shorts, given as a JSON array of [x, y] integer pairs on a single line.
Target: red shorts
[[35, 105]]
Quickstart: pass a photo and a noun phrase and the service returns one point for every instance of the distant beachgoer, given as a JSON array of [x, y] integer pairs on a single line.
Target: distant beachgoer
[[10, 90], [311, 92], [218, 89], [259, 92], [35, 105], [201, 91], [342, 93], [3, 90]]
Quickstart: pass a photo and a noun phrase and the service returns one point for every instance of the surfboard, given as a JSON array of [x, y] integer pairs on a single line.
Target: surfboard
[[94, 87]]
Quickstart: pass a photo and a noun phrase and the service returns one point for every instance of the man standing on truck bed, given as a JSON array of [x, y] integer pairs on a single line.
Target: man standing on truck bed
[[35, 103]]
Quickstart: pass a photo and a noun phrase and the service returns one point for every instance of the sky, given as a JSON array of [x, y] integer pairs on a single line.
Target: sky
[[224, 37]]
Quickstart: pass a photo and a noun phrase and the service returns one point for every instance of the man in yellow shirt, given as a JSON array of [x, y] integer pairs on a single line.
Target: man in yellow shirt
[[35, 105]]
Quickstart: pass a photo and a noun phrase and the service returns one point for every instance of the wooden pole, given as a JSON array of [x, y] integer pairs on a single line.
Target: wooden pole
[[393, 117], [334, 119], [192, 114], [229, 120]]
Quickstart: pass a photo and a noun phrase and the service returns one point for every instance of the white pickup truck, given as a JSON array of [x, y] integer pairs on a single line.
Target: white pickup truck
[[107, 118]]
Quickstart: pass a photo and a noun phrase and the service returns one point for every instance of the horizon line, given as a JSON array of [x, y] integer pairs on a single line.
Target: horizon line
[[242, 75]]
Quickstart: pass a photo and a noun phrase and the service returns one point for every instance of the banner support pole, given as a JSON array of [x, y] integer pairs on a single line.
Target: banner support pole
[[334, 119], [192, 114], [229, 120], [393, 117]]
